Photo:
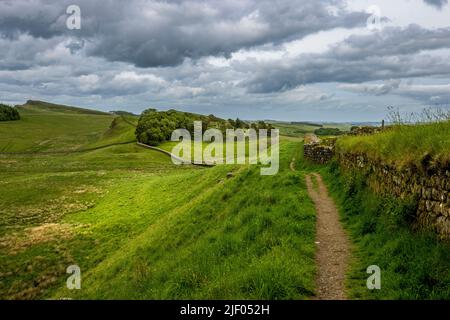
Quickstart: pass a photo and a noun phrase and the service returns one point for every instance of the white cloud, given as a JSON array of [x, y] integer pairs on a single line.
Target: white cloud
[[131, 77], [88, 82]]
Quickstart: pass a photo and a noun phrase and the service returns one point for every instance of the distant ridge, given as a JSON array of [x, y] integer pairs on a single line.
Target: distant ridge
[[42, 105], [306, 123]]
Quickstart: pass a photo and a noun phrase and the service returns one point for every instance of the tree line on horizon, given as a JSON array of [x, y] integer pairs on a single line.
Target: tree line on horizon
[[155, 127]]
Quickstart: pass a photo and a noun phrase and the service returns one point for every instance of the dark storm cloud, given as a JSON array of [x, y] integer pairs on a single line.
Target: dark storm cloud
[[38, 18], [164, 33], [437, 3], [390, 54], [174, 41], [21, 53]]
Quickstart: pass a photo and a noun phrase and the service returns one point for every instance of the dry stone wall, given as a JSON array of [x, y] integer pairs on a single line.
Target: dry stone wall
[[318, 153], [429, 185], [367, 130]]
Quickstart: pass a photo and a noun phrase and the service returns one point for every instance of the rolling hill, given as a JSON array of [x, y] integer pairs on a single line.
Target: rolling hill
[[46, 127], [42, 106], [139, 226]]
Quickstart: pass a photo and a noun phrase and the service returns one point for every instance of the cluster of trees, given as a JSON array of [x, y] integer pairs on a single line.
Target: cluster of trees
[[155, 127], [328, 132], [8, 113], [239, 124]]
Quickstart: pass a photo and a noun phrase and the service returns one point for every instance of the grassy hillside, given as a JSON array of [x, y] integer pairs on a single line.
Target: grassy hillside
[[45, 127], [139, 226], [211, 237], [401, 145], [121, 129], [40, 191], [43, 106]]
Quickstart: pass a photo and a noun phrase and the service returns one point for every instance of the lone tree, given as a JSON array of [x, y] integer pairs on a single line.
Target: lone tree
[[8, 113], [239, 124]]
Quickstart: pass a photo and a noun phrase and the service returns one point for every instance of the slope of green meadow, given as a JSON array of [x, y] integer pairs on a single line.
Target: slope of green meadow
[[46, 127], [141, 227]]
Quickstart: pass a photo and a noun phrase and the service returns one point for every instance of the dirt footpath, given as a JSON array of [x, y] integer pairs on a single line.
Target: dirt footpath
[[333, 246]]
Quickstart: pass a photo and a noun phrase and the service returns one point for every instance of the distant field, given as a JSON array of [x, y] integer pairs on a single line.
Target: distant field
[[299, 129], [141, 227], [293, 130]]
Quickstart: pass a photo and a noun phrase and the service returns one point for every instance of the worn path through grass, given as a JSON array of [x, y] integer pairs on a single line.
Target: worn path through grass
[[333, 246]]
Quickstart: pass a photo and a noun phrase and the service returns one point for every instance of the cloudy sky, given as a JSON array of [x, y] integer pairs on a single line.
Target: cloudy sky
[[310, 60]]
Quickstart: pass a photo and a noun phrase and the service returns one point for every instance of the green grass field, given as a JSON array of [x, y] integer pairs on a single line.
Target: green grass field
[[58, 129], [300, 129], [240, 148], [78, 190], [403, 144], [139, 226]]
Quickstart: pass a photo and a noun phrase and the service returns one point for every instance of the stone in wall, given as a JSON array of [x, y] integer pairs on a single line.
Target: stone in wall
[[318, 153]]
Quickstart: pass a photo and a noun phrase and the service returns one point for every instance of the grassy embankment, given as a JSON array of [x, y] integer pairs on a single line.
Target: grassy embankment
[[139, 226], [414, 264], [44, 128], [403, 145]]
